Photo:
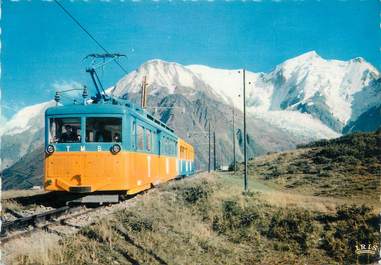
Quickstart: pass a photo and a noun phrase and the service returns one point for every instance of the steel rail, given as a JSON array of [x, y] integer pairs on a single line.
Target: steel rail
[[51, 217], [45, 227], [35, 219]]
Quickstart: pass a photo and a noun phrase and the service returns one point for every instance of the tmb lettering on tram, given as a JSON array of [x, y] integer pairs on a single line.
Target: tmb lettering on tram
[[111, 146]]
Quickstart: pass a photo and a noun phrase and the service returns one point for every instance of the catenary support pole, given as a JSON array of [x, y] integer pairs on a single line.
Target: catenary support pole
[[234, 159], [214, 151], [244, 133], [209, 151]]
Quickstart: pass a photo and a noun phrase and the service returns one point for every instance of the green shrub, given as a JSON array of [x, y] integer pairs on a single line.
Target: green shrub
[[351, 225], [236, 221], [292, 169], [295, 228], [137, 223], [324, 174], [195, 193], [276, 171], [280, 246], [357, 145], [140, 224]]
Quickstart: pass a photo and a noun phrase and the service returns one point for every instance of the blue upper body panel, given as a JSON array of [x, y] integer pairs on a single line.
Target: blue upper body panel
[[86, 109], [127, 113]]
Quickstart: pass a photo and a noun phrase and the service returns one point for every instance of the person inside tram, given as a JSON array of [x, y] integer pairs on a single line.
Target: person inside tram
[[69, 135], [116, 137], [99, 132]]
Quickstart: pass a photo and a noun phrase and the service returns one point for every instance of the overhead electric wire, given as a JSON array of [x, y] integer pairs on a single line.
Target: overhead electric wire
[[88, 33]]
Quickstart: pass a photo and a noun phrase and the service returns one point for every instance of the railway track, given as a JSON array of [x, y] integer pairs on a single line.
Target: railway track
[[25, 225], [47, 220]]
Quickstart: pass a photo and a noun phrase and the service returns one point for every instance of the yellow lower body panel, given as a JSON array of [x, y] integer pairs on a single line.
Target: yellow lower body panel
[[138, 189], [103, 171]]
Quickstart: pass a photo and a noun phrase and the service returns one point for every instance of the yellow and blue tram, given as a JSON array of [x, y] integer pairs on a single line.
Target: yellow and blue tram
[[111, 145]]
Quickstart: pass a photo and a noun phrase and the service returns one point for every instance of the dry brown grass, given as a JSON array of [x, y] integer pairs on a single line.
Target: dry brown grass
[[308, 171], [312, 203], [11, 204], [40, 248], [275, 194], [174, 224]]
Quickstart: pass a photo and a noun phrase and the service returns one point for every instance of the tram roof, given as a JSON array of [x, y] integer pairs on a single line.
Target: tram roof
[[99, 109], [86, 109]]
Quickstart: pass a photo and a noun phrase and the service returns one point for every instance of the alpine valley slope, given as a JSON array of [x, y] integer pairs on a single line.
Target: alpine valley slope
[[23, 133], [303, 99]]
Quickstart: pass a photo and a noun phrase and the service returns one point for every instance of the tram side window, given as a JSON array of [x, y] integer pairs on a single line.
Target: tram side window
[[140, 134], [166, 145], [148, 140], [133, 135], [101, 129], [154, 143], [65, 130], [162, 146], [163, 150], [172, 148]]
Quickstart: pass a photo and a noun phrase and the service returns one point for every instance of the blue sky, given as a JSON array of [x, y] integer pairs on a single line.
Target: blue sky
[[42, 49]]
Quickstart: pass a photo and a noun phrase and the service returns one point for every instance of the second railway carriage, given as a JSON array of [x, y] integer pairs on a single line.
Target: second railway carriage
[[111, 147], [186, 158]]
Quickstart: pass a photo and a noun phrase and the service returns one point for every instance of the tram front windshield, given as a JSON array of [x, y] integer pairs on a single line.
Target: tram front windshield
[[103, 129], [98, 129], [65, 130]]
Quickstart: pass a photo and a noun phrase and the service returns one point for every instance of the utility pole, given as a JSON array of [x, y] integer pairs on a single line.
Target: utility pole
[[214, 149], [209, 151], [143, 101], [244, 131], [234, 161]]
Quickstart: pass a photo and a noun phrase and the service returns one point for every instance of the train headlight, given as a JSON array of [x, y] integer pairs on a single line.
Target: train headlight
[[50, 149], [115, 149]]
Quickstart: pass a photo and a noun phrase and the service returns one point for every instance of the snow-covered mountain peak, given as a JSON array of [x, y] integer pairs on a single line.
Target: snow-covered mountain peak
[[29, 118], [308, 79], [307, 56], [311, 61], [299, 63], [227, 84], [364, 66], [160, 76], [304, 79], [159, 62], [326, 88], [304, 58]]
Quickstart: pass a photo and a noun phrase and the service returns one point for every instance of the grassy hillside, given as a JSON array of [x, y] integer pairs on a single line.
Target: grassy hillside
[[207, 220], [346, 167], [312, 205]]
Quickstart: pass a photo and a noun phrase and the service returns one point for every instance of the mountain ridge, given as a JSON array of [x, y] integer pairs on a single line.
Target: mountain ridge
[[293, 101]]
